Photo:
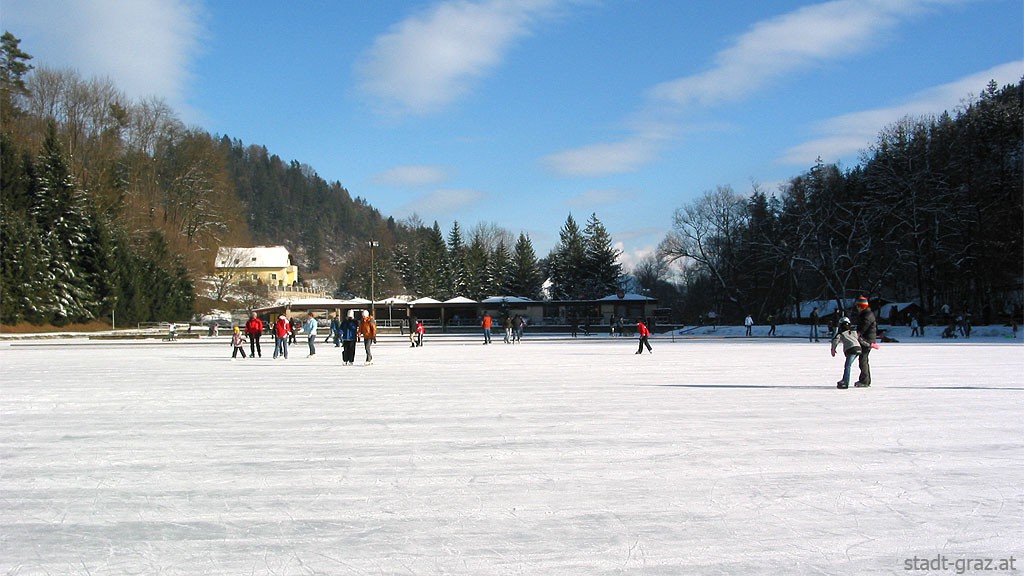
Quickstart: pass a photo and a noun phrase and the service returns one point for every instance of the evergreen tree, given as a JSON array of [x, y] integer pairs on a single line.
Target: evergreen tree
[[13, 67], [456, 277], [403, 263], [527, 280], [602, 272], [431, 265], [499, 269], [567, 263], [477, 259], [59, 209]]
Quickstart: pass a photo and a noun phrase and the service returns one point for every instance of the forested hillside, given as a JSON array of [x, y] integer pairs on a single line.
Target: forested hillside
[[934, 215], [113, 206]]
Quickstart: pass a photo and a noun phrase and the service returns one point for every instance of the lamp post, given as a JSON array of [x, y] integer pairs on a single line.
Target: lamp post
[[372, 244]]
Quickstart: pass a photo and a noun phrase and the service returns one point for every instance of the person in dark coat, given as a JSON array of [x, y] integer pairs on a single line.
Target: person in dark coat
[[349, 327], [867, 332]]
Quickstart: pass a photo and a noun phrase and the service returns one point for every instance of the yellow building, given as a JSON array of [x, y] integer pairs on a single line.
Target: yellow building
[[268, 265]]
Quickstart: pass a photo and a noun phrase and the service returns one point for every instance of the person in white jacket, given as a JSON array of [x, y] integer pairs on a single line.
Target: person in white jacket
[[846, 335]]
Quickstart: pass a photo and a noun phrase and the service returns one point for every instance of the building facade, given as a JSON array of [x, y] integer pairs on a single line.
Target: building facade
[[267, 265]]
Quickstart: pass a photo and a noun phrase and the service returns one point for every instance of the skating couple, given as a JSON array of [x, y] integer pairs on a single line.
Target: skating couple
[[857, 344]]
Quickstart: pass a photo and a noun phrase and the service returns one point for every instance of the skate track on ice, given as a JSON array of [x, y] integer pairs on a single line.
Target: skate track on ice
[[549, 457]]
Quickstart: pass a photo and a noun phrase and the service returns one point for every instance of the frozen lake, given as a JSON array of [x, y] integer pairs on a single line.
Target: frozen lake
[[709, 456]]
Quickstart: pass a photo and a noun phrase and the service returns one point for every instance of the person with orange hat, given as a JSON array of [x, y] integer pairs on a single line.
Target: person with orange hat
[[867, 333]]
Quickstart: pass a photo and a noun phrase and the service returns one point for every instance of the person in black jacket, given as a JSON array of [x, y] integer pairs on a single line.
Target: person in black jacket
[[867, 331]]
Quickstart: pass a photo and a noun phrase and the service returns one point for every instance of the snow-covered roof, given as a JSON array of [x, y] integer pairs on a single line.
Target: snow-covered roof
[[459, 300], [395, 300], [506, 300], [900, 306], [309, 302], [626, 296], [425, 300], [252, 257], [356, 302], [824, 307]]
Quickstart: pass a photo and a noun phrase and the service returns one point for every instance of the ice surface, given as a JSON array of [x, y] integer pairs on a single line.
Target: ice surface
[[710, 456]]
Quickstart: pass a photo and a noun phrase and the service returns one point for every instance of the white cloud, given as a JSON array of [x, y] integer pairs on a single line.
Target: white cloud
[[431, 59], [785, 44], [848, 134], [144, 46], [442, 204], [767, 52], [412, 175], [604, 158]]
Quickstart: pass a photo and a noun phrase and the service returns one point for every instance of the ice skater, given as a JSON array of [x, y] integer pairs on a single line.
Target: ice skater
[[420, 331], [309, 328], [237, 343], [368, 331], [254, 329], [867, 330], [815, 320], [847, 336], [644, 333], [349, 329], [282, 328], [748, 322], [486, 323]]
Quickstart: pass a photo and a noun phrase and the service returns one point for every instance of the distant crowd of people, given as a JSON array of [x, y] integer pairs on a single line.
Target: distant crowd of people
[[856, 340]]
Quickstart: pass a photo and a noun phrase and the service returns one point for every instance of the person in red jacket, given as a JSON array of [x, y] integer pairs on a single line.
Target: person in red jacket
[[254, 329], [644, 333], [420, 331], [486, 324], [282, 328]]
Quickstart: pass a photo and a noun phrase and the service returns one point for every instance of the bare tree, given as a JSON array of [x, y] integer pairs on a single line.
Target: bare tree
[[230, 270], [704, 235]]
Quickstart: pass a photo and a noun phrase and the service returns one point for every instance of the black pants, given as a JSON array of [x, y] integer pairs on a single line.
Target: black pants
[[237, 350], [348, 350], [644, 342], [254, 345], [865, 367]]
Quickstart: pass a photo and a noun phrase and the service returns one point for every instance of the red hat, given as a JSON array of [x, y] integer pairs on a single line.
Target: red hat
[[862, 302]]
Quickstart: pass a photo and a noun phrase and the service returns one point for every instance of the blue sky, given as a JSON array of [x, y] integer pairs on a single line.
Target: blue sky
[[520, 112]]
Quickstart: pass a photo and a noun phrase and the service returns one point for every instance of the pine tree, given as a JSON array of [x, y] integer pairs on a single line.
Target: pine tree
[[432, 265], [456, 277], [13, 67], [477, 259], [499, 269], [566, 263], [58, 208], [602, 272], [526, 275], [402, 262]]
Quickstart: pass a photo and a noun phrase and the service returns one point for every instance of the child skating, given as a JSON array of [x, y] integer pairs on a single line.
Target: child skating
[[237, 343], [846, 335]]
